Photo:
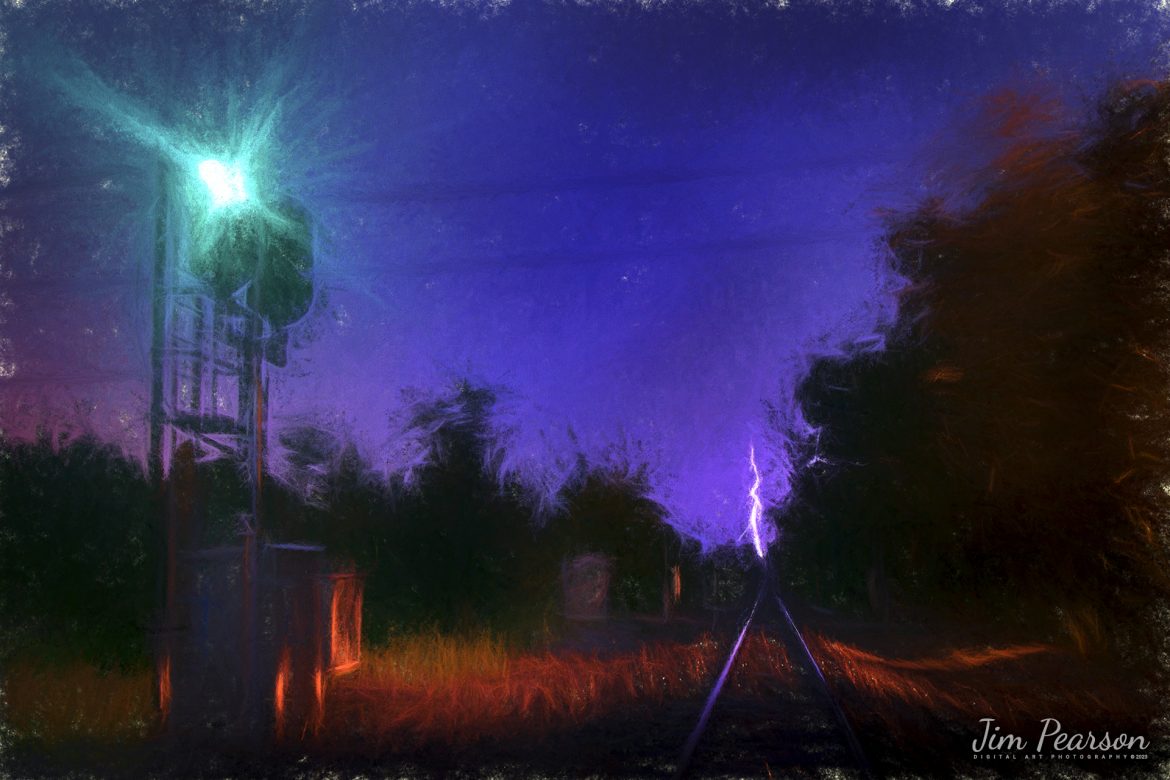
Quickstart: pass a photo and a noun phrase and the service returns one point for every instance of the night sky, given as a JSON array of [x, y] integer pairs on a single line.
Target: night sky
[[637, 223]]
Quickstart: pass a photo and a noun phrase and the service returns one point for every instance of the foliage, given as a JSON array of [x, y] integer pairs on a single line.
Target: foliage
[[453, 549], [1010, 446], [873, 504], [78, 549], [607, 511], [460, 549]]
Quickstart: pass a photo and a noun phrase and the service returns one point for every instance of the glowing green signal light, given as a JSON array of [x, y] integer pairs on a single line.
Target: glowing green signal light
[[224, 183]]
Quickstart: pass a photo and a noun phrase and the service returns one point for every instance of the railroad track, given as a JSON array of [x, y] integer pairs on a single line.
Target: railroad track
[[798, 726]]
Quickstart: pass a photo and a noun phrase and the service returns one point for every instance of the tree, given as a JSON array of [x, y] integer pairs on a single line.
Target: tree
[[607, 510], [460, 549], [78, 549], [871, 506], [1016, 429]]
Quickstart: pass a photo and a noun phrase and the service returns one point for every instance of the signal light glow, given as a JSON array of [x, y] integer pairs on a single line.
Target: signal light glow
[[224, 183]]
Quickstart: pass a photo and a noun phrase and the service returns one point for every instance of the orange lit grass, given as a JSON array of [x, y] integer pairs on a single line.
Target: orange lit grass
[[437, 689], [445, 691], [1019, 683]]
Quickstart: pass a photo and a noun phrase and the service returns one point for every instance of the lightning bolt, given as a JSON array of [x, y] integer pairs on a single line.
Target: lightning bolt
[[757, 510]]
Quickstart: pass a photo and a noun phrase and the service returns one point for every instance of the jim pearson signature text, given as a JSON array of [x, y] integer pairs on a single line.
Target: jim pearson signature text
[[1054, 738]]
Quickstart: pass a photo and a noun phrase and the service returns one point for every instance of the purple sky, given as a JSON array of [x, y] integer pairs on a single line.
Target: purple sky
[[639, 222]]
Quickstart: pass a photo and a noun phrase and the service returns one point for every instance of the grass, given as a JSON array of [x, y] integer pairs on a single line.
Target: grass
[[76, 701], [430, 688], [439, 690], [433, 658], [1019, 685]]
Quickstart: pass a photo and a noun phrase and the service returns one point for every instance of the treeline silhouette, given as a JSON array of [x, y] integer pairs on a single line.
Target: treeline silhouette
[[455, 550], [79, 547], [459, 550], [1006, 455]]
